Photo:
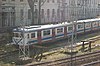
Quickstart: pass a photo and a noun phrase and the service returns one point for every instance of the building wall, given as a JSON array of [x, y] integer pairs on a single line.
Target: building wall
[[0, 15], [14, 13], [88, 8], [70, 10], [22, 13], [51, 12]]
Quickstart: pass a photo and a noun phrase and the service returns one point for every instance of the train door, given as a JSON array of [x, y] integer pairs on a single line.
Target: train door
[[33, 37], [59, 32], [69, 30], [87, 26], [95, 25], [53, 34], [39, 36], [46, 35]]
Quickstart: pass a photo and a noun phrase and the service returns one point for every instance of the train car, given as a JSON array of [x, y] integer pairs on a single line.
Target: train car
[[48, 33], [95, 25]]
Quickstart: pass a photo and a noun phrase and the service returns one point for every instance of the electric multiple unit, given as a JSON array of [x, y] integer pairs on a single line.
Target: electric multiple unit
[[48, 33]]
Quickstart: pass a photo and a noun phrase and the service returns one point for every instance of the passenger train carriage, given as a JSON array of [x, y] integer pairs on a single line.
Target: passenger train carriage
[[49, 33]]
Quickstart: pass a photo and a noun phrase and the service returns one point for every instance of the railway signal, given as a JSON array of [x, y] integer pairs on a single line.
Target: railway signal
[[90, 46], [83, 45]]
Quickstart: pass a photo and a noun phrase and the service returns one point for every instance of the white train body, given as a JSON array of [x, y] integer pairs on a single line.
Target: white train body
[[48, 33]]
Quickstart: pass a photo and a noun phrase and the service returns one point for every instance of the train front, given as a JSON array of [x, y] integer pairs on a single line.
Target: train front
[[19, 36]]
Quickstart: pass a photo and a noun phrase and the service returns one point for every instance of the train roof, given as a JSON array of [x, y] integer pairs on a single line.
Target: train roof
[[48, 26], [39, 27], [89, 20]]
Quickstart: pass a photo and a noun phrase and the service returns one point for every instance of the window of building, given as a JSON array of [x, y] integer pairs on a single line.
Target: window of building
[[53, 1], [62, 16], [3, 0], [53, 12], [48, 1], [29, 14], [58, 1], [58, 14], [12, 0], [42, 0], [48, 13], [36, 13], [21, 14], [42, 14], [35, 0], [21, 0]]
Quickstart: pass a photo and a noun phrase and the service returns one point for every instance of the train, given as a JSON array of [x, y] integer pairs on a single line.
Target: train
[[41, 34]]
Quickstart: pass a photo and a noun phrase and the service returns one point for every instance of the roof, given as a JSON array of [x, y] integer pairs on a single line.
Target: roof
[[89, 20], [48, 26]]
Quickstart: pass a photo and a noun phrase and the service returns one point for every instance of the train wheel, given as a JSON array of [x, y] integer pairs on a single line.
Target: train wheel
[[39, 57]]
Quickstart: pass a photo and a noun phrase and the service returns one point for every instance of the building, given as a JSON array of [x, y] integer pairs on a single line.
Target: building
[[53, 11], [0, 15], [87, 8], [14, 13], [23, 12]]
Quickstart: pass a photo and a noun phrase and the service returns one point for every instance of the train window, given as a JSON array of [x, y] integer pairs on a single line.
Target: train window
[[70, 28], [60, 30], [46, 32], [80, 26], [95, 24], [16, 34], [87, 25], [33, 35]]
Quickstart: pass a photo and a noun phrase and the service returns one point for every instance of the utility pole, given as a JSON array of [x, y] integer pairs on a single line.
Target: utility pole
[[23, 47], [0, 14], [73, 20], [39, 19]]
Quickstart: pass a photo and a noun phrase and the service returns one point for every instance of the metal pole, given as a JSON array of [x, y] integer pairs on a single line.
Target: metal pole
[[39, 19], [72, 43]]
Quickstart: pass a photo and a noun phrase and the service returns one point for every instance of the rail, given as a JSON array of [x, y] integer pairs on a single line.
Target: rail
[[92, 63], [67, 60]]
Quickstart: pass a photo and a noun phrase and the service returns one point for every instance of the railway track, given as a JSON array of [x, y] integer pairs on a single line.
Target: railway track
[[8, 54], [80, 58], [64, 44], [50, 49], [95, 63]]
